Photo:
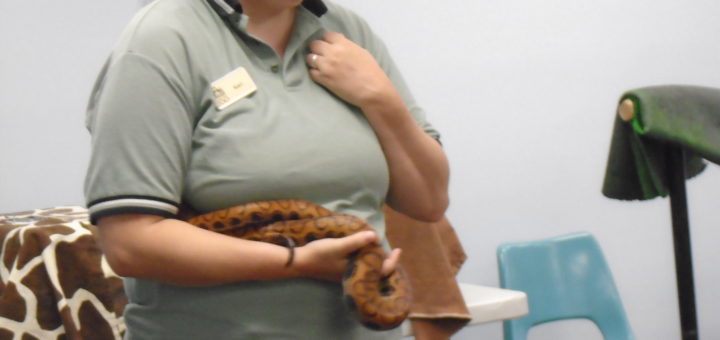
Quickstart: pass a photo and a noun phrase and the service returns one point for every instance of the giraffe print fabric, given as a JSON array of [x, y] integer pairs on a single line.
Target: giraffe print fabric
[[54, 281]]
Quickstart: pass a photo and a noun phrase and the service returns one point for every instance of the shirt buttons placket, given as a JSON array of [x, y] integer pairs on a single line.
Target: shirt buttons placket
[[275, 68]]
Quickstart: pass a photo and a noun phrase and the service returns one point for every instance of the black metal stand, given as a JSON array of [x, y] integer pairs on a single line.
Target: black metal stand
[[681, 238]]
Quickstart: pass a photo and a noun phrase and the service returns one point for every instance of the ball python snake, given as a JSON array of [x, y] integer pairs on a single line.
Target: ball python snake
[[379, 302]]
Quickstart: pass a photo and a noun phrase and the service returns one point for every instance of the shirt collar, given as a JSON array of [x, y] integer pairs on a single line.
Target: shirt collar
[[230, 7]]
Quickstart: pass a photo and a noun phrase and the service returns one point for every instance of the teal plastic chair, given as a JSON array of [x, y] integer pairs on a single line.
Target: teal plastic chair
[[564, 277]]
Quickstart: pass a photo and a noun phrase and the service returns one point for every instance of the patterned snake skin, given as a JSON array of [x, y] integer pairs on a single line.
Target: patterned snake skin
[[380, 303]]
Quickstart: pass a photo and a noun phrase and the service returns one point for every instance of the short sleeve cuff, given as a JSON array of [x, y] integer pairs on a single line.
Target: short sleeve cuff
[[131, 205]]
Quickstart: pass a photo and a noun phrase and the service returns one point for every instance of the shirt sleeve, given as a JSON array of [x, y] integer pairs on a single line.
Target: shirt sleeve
[[141, 125]]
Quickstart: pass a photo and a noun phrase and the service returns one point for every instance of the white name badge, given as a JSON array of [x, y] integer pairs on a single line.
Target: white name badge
[[232, 87]]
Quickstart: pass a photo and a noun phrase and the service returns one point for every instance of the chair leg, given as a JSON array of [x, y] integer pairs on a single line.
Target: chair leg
[[514, 333]]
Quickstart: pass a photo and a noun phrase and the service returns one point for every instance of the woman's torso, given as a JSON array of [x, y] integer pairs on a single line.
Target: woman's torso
[[291, 138]]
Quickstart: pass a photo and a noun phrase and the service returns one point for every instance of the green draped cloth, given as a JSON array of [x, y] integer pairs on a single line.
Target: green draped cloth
[[665, 116]]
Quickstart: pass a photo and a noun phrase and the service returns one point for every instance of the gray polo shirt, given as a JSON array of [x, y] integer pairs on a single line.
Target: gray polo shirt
[[160, 137]]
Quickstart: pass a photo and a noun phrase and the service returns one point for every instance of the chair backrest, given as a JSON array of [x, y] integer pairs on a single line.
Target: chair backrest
[[564, 277]]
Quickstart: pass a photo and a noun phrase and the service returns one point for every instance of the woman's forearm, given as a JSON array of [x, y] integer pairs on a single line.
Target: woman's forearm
[[419, 172], [172, 251]]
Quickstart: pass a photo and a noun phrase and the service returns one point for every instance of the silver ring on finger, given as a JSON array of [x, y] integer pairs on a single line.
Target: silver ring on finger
[[313, 61]]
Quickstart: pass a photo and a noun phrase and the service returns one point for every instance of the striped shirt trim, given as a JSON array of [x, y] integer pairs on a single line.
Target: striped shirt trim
[[128, 205], [224, 6], [133, 202]]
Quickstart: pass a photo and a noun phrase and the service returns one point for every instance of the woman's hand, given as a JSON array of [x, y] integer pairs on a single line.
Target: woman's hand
[[348, 70], [327, 259]]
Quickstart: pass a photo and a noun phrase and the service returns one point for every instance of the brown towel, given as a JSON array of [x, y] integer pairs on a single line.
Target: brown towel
[[432, 256]]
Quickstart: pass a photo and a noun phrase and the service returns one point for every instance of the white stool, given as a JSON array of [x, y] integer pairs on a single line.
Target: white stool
[[488, 304]]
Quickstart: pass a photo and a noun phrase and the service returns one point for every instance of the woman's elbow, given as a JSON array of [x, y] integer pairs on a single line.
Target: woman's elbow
[[119, 245], [429, 211], [436, 211], [122, 261], [119, 263]]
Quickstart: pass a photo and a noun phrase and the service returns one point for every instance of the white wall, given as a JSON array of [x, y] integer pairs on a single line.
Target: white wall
[[523, 91], [50, 54]]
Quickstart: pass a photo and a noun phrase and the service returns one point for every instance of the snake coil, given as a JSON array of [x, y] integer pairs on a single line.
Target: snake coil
[[379, 302]]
